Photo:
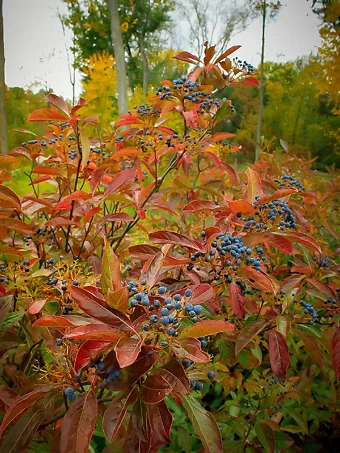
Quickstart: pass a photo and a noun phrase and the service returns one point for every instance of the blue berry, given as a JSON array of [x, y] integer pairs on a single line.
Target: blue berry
[[165, 320], [189, 307], [186, 363], [164, 311], [70, 394], [199, 386], [178, 305], [177, 297], [116, 373], [153, 318], [188, 293], [198, 309], [101, 366], [58, 341], [162, 290], [211, 375]]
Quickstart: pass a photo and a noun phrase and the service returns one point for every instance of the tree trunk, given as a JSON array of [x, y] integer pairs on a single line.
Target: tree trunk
[[118, 48], [259, 119], [3, 117], [296, 122], [146, 69]]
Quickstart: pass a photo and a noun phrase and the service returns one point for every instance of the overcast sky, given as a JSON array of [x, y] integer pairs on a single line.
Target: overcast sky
[[35, 46]]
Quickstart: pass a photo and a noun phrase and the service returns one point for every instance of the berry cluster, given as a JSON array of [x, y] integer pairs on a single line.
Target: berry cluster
[[269, 214], [289, 182], [165, 311], [309, 309], [146, 109], [243, 66], [108, 373], [227, 253]]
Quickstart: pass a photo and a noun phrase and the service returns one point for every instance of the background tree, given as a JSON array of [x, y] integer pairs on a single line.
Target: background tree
[[329, 77], [215, 24], [3, 117], [118, 48], [142, 23], [266, 10]]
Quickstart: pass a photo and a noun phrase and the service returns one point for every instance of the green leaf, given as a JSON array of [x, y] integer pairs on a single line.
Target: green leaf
[[266, 436], [110, 279], [204, 424], [11, 318]]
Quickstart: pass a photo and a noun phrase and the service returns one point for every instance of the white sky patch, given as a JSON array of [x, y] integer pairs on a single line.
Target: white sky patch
[[35, 46]]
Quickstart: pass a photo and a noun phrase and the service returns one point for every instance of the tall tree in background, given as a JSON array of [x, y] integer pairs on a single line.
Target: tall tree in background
[[142, 23], [215, 22], [329, 79], [3, 117], [118, 48], [266, 10]]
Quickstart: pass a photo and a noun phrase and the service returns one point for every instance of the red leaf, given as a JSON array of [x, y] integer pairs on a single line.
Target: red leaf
[[119, 217], [127, 350], [79, 424], [88, 352], [47, 115], [128, 119], [36, 306], [260, 280], [154, 389], [199, 205], [248, 333], [222, 136], [322, 287], [160, 420], [153, 269], [207, 327], [281, 193], [226, 53], [201, 293], [95, 332], [42, 170], [23, 403], [174, 373], [6, 250], [118, 181], [251, 82], [254, 186], [191, 118], [8, 397], [60, 221], [301, 238], [143, 252], [118, 299], [242, 206], [336, 352], [190, 348], [208, 54], [278, 354], [77, 195], [57, 102], [168, 237], [236, 299], [186, 56], [79, 105], [60, 321], [94, 308], [17, 225], [116, 411], [7, 194]]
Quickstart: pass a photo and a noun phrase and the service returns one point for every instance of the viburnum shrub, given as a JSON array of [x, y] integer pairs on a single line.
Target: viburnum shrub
[[145, 283]]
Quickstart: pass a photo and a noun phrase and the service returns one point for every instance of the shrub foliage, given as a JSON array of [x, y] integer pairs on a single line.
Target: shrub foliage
[[146, 284]]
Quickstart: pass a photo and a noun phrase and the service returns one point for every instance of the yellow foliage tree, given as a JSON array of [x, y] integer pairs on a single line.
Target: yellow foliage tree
[[99, 88], [330, 54]]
